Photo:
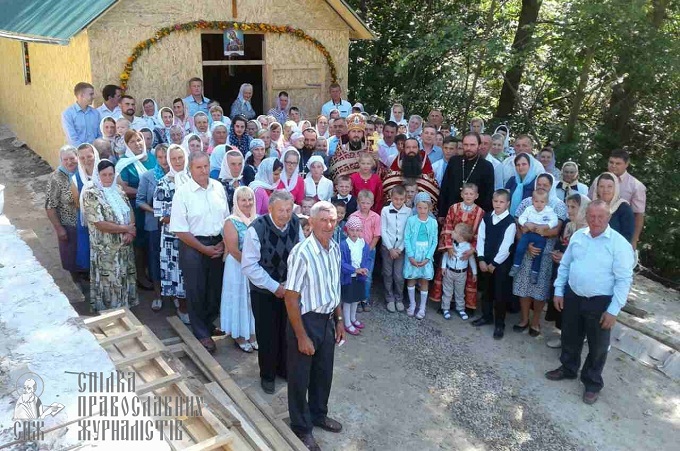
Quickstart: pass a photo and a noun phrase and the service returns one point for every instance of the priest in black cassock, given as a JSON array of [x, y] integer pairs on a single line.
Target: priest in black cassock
[[468, 168]]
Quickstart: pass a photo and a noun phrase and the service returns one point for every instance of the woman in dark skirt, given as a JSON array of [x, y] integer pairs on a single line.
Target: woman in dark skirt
[[355, 257]]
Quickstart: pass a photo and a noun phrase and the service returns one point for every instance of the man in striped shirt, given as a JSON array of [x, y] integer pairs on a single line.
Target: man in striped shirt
[[312, 301]]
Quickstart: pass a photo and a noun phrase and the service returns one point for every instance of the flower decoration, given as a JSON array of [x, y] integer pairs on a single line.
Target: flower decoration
[[222, 25]]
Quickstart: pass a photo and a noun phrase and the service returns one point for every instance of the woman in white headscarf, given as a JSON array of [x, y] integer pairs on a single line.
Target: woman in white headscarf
[[165, 119], [415, 127], [254, 157], [192, 143], [242, 105], [321, 126], [111, 226], [231, 174], [236, 314], [316, 185], [150, 113], [182, 118], [88, 159], [505, 131], [291, 180], [569, 183], [397, 114], [266, 181], [202, 128]]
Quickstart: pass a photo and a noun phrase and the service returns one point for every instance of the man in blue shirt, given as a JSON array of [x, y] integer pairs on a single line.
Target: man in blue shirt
[[432, 151], [336, 102], [591, 288], [80, 121], [196, 100]]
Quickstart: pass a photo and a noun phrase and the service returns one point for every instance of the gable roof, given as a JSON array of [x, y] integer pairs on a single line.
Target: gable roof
[[359, 29]]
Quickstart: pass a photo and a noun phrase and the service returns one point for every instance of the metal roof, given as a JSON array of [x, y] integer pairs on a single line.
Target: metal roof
[[50, 21]]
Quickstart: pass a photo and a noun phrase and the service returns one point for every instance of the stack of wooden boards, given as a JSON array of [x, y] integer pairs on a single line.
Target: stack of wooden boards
[[232, 419]]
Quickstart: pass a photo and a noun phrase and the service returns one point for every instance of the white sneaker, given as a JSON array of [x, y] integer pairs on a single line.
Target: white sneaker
[[184, 317], [554, 343], [421, 314], [411, 309], [156, 305], [400, 306]]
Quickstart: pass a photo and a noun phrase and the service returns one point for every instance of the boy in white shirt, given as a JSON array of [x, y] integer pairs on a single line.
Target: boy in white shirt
[[535, 219], [455, 270], [392, 224]]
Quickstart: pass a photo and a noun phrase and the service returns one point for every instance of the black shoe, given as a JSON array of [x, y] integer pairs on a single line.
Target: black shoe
[[267, 386], [309, 441], [518, 328], [559, 374], [328, 424], [534, 332], [482, 322], [498, 332], [470, 311]]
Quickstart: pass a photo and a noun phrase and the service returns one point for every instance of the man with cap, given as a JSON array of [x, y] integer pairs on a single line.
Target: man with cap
[[345, 160]]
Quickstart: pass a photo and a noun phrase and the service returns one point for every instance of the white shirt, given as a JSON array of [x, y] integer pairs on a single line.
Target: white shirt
[[439, 168], [497, 171], [508, 238], [392, 226], [199, 211], [104, 111], [457, 262], [356, 252], [344, 107], [546, 216], [386, 152], [138, 123], [324, 190]]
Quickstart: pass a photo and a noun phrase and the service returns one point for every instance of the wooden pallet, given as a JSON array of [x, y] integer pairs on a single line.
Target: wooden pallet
[[133, 347]]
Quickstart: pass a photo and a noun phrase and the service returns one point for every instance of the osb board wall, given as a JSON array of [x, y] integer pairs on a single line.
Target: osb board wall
[[162, 72], [33, 111]]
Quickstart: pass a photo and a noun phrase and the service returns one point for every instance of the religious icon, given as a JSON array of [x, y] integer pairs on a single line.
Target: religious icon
[[233, 43], [372, 142]]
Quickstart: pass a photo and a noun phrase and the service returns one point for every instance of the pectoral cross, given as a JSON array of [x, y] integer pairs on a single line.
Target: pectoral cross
[[234, 9]]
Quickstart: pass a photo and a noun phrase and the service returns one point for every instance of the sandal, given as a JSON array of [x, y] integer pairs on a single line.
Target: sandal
[[245, 347], [463, 315], [254, 345], [156, 305], [520, 328], [352, 330], [358, 324], [533, 332], [447, 314]]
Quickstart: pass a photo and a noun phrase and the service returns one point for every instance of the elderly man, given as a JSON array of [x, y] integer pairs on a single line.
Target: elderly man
[[484, 149], [336, 102], [339, 130], [80, 121], [411, 164], [199, 209], [591, 288], [127, 108], [435, 118], [345, 160], [266, 247], [313, 302], [196, 101], [468, 168], [111, 95]]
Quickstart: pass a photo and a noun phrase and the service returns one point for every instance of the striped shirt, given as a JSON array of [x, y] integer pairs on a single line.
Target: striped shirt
[[314, 273]]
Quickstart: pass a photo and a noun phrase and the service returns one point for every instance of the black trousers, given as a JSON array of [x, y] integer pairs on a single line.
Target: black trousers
[[581, 318], [496, 292], [270, 326], [310, 376], [203, 285]]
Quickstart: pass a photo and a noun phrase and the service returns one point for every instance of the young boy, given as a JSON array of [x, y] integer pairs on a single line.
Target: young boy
[[455, 269], [339, 233], [494, 241], [343, 186], [306, 207], [533, 219], [411, 189], [392, 224], [439, 167], [306, 227]]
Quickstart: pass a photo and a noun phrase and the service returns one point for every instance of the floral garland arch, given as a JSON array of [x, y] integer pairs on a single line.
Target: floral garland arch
[[222, 25]]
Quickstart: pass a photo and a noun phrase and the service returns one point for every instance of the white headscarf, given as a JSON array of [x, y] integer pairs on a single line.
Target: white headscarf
[[131, 158], [185, 141], [225, 172], [312, 160], [207, 135], [113, 195], [151, 121], [161, 125], [212, 130], [265, 175], [506, 142], [179, 177], [101, 128], [289, 183], [236, 212], [86, 179], [403, 120]]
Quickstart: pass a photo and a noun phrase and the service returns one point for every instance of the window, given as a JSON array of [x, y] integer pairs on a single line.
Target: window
[[26, 62]]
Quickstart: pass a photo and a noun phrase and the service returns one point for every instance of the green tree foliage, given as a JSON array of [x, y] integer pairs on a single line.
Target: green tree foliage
[[596, 76]]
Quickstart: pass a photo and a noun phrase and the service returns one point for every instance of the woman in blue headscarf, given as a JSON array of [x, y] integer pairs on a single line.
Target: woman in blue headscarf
[[241, 105], [521, 185]]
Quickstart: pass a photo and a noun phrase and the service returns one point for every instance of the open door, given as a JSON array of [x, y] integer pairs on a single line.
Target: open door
[[303, 82]]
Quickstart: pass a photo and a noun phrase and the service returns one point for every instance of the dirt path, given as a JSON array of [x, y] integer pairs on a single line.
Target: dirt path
[[425, 385]]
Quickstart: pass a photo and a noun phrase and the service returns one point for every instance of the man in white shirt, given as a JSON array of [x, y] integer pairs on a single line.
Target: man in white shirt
[[199, 210], [127, 109], [387, 148], [336, 102], [111, 95], [592, 286]]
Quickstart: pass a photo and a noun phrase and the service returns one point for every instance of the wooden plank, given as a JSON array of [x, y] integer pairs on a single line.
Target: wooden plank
[[171, 341], [141, 357], [116, 339], [196, 361], [158, 383], [280, 426], [110, 316], [259, 420], [213, 443], [254, 438], [234, 63]]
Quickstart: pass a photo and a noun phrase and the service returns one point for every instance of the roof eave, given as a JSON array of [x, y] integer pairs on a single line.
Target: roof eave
[[32, 38]]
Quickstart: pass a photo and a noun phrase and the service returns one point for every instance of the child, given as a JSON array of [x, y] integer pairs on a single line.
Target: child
[[533, 220], [366, 179], [392, 224], [339, 231], [411, 188], [122, 126], [306, 227], [306, 206], [316, 185], [371, 227], [455, 269], [439, 166], [420, 242], [356, 258], [494, 240], [471, 214], [343, 185]]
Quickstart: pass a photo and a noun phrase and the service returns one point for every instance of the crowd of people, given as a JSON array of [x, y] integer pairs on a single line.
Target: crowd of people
[[229, 215]]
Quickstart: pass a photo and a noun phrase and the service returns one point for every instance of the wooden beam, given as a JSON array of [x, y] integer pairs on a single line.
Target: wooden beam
[[115, 339], [234, 63], [141, 357], [213, 443], [110, 316], [280, 426], [158, 383], [261, 423]]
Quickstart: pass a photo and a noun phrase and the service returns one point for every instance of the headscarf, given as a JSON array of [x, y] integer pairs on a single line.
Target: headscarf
[[86, 179], [185, 141], [131, 158], [354, 223], [114, 197], [580, 221], [70, 149], [183, 176], [151, 121], [176, 127], [186, 124], [422, 197], [328, 127], [243, 143], [101, 128], [569, 188], [419, 130], [518, 195], [240, 98], [158, 171], [289, 184], [225, 172], [161, 124], [257, 124], [212, 132], [278, 105], [255, 143], [616, 201], [506, 142], [403, 120], [236, 212], [311, 161], [295, 136], [265, 175], [478, 119], [205, 136], [552, 194], [551, 167]]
